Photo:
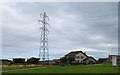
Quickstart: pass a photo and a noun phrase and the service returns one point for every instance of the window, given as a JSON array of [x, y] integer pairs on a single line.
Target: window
[[77, 57], [81, 57]]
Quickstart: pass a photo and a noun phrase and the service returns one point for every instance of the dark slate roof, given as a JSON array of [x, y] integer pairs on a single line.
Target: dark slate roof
[[73, 53], [102, 59]]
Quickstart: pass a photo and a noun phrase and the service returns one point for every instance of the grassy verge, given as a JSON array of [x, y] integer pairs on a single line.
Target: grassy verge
[[98, 68]]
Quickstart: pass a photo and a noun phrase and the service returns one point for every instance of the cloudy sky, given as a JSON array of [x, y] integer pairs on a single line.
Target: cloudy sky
[[91, 27]]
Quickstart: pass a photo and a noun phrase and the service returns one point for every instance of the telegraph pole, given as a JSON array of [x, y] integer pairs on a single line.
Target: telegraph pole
[[43, 51]]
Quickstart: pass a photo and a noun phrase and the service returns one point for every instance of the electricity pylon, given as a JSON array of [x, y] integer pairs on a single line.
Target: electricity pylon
[[43, 51]]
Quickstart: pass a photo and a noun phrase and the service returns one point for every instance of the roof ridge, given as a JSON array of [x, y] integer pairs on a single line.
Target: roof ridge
[[72, 53]]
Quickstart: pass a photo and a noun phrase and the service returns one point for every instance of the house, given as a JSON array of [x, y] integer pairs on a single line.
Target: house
[[80, 56], [117, 57], [89, 60], [109, 59], [102, 60]]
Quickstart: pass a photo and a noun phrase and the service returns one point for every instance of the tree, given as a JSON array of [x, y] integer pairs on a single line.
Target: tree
[[71, 59], [63, 59], [68, 59], [33, 60], [18, 60]]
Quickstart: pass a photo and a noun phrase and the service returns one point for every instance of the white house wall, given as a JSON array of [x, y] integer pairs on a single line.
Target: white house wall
[[79, 59]]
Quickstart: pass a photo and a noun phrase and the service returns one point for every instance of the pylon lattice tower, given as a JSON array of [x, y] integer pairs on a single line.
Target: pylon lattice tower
[[43, 51]]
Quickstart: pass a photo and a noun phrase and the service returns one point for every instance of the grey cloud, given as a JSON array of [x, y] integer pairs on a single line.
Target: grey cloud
[[72, 26]]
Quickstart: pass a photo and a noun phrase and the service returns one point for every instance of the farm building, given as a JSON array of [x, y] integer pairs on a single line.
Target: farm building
[[81, 57]]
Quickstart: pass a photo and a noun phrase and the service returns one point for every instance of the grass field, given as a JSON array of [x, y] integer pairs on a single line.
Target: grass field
[[98, 68]]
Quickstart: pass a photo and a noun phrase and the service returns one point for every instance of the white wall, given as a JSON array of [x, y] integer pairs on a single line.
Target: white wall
[[79, 59]]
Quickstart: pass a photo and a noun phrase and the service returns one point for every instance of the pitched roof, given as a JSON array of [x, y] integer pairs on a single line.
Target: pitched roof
[[103, 59], [88, 58], [73, 53]]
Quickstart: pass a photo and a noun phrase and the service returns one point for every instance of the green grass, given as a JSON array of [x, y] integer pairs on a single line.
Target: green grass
[[99, 68], [14, 68]]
